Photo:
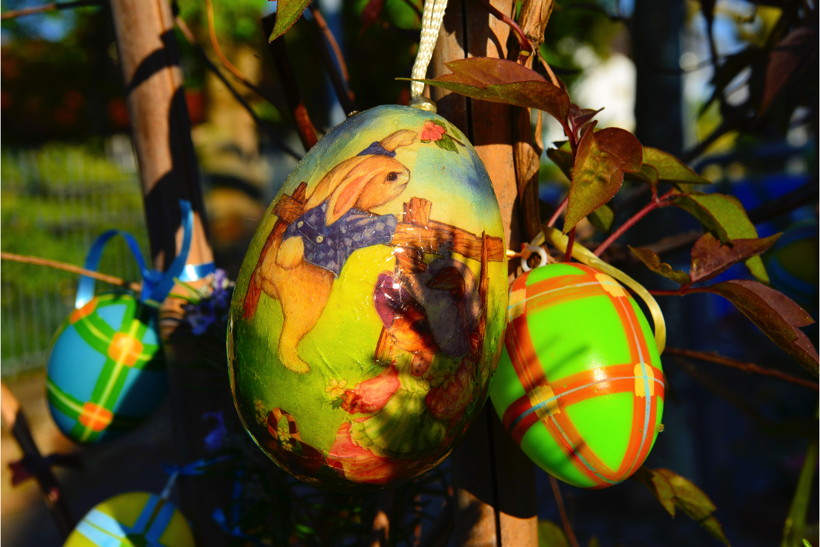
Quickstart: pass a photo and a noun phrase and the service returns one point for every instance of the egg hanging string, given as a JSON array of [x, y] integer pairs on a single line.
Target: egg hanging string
[[431, 22]]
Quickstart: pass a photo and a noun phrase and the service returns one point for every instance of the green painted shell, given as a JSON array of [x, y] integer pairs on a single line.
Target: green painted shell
[[369, 311], [579, 385]]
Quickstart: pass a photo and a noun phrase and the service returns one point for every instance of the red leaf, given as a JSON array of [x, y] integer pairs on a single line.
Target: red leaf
[[775, 314], [786, 60], [710, 257], [600, 162], [502, 81], [371, 13]]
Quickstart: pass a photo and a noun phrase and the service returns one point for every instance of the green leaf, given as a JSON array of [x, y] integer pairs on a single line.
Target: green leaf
[[551, 535], [602, 218], [775, 314], [646, 173], [711, 258], [787, 60], [446, 143], [563, 159], [670, 168], [287, 13], [653, 262], [725, 217], [502, 81], [601, 159], [676, 492], [795, 526]]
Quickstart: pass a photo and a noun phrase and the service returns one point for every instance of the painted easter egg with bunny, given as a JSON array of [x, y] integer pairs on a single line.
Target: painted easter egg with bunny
[[369, 311]]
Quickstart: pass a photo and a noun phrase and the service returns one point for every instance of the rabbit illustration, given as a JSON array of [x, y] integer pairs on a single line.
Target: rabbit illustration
[[298, 266]]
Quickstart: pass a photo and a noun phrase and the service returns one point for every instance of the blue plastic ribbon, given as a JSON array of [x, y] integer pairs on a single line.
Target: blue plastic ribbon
[[156, 285], [233, 527]]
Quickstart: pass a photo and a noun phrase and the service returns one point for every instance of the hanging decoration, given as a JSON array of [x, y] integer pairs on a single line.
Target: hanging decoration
[[368, 313], [132, 518], [105, 371], [579, 385]]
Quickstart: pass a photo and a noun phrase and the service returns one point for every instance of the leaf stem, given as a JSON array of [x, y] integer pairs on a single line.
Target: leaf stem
[[740, 365], [136, 287], [523, 42], [562, 512], [655, 203], [561, 207]]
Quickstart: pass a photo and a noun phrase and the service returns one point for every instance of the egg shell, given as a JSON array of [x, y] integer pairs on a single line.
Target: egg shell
[[579, 385], [369, 312], [132, 518], [106, 370]]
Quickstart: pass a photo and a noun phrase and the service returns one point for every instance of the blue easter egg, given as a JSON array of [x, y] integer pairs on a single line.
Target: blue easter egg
[[106, 369], [133, 518]]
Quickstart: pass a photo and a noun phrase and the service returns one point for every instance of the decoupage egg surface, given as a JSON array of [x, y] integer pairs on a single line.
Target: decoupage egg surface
[[105, 370], [579, 385], [369, 312], [132, 518]]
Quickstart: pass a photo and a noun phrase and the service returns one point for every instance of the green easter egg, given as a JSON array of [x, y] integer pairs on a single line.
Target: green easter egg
[[369, 311], [579, 385]]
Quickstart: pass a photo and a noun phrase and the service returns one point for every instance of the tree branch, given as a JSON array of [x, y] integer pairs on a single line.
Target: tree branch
[[740, 365], [49, 7], [136, 287]]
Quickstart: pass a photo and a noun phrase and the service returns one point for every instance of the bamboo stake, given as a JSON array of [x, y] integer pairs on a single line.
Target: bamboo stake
[[495, 493], [168, 171]]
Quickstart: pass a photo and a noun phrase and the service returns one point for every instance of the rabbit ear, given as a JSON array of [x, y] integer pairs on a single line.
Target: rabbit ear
[[331, 181], [346, 195], [402, 137]]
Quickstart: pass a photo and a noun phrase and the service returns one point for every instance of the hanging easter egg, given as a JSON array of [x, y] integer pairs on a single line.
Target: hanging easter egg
[[579, 386], [133, 518], [368, 314], [106, 370]]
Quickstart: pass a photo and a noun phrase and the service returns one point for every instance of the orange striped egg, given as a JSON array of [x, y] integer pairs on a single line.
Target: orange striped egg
[[579, 385]]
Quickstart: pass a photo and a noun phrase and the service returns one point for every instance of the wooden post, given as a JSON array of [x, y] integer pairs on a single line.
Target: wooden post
[[495, 492], [168, 171]]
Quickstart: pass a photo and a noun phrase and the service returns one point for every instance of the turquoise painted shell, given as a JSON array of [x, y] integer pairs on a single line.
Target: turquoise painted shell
[[580, 385], [368, 314], [105, 371]]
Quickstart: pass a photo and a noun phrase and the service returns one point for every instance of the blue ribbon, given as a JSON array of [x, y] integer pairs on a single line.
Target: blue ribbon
[[156, 285], [232, 527]]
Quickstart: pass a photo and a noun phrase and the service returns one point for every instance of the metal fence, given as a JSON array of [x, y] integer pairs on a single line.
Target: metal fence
[[55, 202]]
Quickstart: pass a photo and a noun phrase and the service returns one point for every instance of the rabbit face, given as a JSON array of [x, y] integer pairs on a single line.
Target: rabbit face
[[373, 181], [384, 187]]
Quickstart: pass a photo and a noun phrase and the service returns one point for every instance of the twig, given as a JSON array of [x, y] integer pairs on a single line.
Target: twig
[[304, 126], [656, 202], [49, 7], [189, 36], [339, 75], [50, 487], [209, 8], [136, 287], [554, 218], [562, 512], [740, 365], [524, 44]]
